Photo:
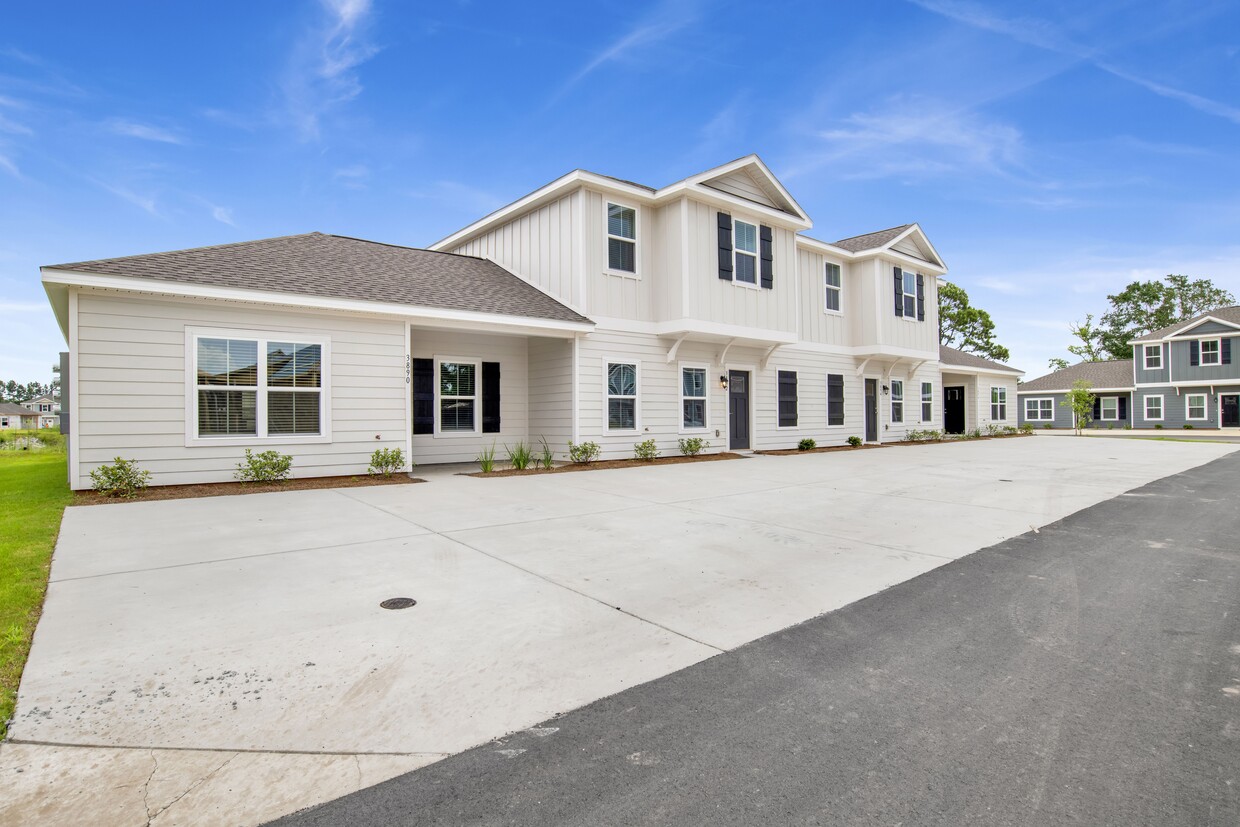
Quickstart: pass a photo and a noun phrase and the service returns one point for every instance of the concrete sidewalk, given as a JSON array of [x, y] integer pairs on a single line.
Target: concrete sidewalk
[[226, 659]]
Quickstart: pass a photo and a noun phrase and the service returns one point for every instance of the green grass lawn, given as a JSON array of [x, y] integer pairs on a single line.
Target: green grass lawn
[[33, 494]]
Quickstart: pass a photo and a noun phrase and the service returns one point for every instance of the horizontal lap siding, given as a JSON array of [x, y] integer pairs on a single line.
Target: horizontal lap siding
[[551, 393], [811, 368], [895, 431], [1175, 406], [1063, 413], [131, 387]]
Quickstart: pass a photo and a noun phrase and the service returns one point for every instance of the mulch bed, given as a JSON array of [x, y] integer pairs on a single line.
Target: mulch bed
[[783, 452], [225, 489], [600, 465]]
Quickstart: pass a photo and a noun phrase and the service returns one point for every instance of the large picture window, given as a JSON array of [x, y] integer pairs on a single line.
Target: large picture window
[[1040, 410], [458, 396], [621, 238], [621, 396], [257, 387], [693, 398]]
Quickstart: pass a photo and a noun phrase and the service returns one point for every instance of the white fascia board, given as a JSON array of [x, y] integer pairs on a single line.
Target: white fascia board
[[920, 265], [970, 370], [916, 228], [421, 315], [1184, 330], [1068, 390], [58, 297], [823, 247], [751, 160], [719, 198]]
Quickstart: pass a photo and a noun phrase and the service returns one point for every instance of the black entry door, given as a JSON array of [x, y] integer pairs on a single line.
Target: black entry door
[[738, 409], [1231, 411], [953, 410], [871, 410]]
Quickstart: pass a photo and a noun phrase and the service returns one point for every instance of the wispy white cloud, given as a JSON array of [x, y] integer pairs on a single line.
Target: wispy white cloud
[[146, 203], [223, 215], [142, 131], [10, 166], [1003, 285], [323, 70], [352, 177]]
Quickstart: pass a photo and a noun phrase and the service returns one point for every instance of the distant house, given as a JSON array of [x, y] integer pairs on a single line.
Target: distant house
[[15, 417], [47, 412], [1181, 375]]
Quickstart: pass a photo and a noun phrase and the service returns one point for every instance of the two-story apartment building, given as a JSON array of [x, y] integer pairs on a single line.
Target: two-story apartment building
[[1182, 375], [593, 309]]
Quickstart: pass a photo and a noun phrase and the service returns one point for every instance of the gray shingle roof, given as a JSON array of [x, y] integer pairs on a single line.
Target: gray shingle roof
[[953, 356], [1227, 314], [333, 266], [1115, 373], [870, 240], [13, 409]]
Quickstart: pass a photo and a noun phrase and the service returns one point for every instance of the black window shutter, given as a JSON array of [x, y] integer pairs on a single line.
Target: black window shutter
[[767, 254], [1226, 348], [490, 397], [1123, 407], [921, 298], [423, 396], [835, 399], [899, 292], [1194, 353], [725, 246], [1097, 407], [787, 399]]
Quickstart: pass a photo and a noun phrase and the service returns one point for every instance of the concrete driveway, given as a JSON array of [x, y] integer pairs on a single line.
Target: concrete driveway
[[226, 659]]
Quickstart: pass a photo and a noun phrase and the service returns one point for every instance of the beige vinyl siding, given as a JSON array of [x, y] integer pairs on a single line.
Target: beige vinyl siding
[[131, 386], [817, 325], [538, 246], [895, 431], [620, 296], [969, 383], [551, 393], [511, 353], [896, 331], [812, 368], [743, 185], [984, 384]]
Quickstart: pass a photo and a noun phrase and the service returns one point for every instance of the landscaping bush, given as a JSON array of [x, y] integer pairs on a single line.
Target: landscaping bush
[[1027, 428], [123, 478], [1188, 426], [386, 462], [1157, 426], [269, 466], [584, 452], [546, 457], [692, 446], [854, 441], [1047, 426], [520, 456], [806, 444], [976, 433], [646, 450], [486, 459]]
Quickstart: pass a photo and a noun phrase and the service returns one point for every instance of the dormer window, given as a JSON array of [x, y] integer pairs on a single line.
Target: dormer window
[[745, 266], [1153, 357], [621, 238]]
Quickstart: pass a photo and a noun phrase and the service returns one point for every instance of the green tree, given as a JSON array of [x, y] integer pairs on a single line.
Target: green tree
[[1058, 364], [1145, 306], [1081, 400], [965, 327], [1089, 340]]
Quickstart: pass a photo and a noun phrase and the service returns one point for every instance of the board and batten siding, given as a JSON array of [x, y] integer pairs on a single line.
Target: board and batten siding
[[817, 324], [608, 293], [1155, 376], [900, 331], [131, 386], [1182, 369]]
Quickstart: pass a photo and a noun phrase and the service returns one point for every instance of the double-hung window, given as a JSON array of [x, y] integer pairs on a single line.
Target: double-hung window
[[835, 399], [1196, 404], [621, 396], [745, 250], [927, 401], [787, 380], [1040, 410], [910, 295], [458, 396], [1109, 408], [833, 286], [998, 404], [693, 398], [897, 401], [1210, 352], [1154, 407], [258, 387], [621, 238], [1153, 357]]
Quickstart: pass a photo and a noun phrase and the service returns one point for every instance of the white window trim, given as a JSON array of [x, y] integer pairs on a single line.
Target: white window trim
[[193, 334], [797, 374], [1002, 401], [608, 270], [1102, 409], [906, 317], [1153, 350], [757, 255], [925, 401], [1205, 407], [458, 360], [826, 287], [1218, 353], [1161, 407], [827, 414], [1038, 409], [891, 408], [637, 397], [680, 377]]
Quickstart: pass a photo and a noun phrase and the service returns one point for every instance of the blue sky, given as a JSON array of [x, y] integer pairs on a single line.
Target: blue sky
[[1053, 151]]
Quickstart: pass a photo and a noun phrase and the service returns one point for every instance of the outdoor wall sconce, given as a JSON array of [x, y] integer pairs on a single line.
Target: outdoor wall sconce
[[723, 382], [886, 390]]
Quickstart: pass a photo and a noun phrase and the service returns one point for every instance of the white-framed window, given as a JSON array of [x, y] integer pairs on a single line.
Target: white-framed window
[[4, 422], [247, 386], [833, 287], [745, 252], [909, 289], [1195, 406], [1154, 407], [1109, 407], [621, 396], [927, 401], [1210, 351], [459, 402], [897, 400], [622, 238], [1040, 409], [1153, 357], [835, 400], [45, 407], [998, 404], [693, 403]]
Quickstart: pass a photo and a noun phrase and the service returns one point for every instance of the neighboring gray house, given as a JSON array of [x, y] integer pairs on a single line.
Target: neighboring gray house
[[1181, 375]]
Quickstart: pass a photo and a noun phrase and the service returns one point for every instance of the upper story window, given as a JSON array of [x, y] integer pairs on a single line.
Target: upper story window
[[897, 401], [257, 387], [1210, 351], [621, 238], [745, 264], [833, 286], [746, 252], [910, 295], [1153, 357]]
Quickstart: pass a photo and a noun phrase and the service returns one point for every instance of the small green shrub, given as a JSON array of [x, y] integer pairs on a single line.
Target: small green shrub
[[1048, 426], [486, 459], [386, 462], [123, 478], [1157, 426], [583, 452], [646, 450], [1127, 426], [976, 433], [692, 446], [520, 456], [269, 466], [1188, 426], [546, 457], [806, 444], [854, 441], [1027, 428]]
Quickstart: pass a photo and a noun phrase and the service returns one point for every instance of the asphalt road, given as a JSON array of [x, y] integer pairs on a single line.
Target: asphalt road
[[1085, 674]]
